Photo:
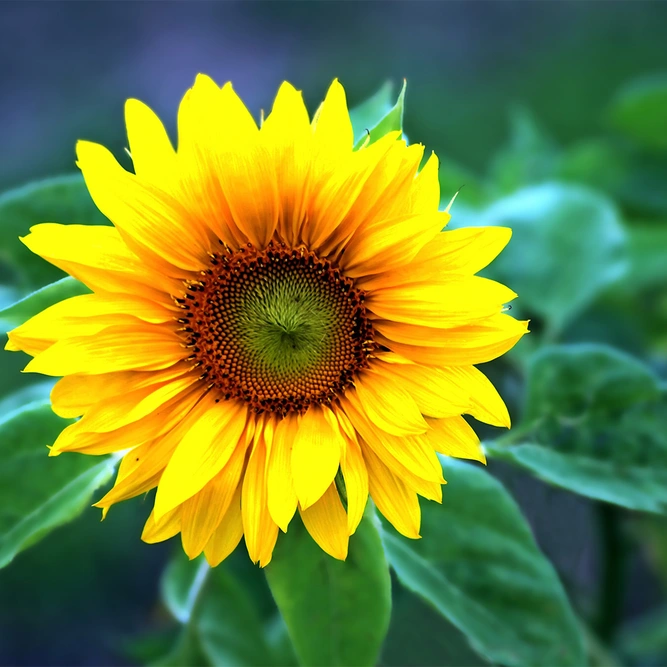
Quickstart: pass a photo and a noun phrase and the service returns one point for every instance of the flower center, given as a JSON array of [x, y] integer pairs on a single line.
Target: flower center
[[278, 328]]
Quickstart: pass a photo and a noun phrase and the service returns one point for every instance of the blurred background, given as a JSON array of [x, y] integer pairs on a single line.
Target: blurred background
[[513, 96]]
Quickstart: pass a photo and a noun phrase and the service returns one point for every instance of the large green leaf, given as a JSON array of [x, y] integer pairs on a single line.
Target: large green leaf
[[17, 313], [64, 199], [220, 619], [639, 110], [568, 245], [391, 121], [595, 424], [337, 613], [38, 493], [371, 111], [478, 565]]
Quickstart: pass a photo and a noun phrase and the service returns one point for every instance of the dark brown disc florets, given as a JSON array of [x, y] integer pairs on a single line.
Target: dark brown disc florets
[[278, 328]]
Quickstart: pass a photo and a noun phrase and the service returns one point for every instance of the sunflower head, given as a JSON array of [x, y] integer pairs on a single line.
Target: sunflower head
[[277, 323]]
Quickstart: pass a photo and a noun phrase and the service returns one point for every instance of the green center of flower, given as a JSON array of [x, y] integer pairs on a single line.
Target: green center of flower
[[279, 328]]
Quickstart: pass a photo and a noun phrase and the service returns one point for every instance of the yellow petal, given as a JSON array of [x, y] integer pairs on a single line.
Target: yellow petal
[[118, 348], [338, 183], [153, 155], [74, 394], [281, 496], [398, 504], [98, 257], [433, 390], [228, 534], [202, 453], [425, 194], [404, 454], [388, 405], [260, 531], [356, 484], [76, 439], [454, 437], [316, 452], [457, 252], [486, 405], [333, 128], [452, 303], [326, 521], [142, 467], [203, 512], [152, 222], [162, 529], [388, 244], [288, 136], [459, 346], [134, 405]]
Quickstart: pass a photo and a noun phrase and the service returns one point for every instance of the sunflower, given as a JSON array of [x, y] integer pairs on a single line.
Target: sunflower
[[277, 323]]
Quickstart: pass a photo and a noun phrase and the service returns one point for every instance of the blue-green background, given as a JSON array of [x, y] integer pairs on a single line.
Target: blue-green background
[[66, 68]]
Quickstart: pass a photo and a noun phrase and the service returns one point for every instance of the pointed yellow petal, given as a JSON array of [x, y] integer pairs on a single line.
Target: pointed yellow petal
[[162, 529], [203, 512], [288, 137], [455, 437], [153, 155], [146, 347], [260, 531], [425, 195], [388, 405], [202, 453], [98, 257], [459, 346], [74, 394], [433, 390], [398, 504], [388, 244], [458, 252], [228, 534], [356, 484], [486, 404], [451, 303], [405, 454], [316, 452], [281, 497], [333, 128], [76, 439], [326, 521], [151, 221]]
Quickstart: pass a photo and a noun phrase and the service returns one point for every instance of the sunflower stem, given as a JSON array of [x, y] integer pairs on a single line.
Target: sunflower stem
[[614, 552]]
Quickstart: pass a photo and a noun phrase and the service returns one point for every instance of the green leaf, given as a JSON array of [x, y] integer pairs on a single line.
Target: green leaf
[[33, 393], [568, 245], [639, 111], [595, 163], [37, 493], [530, 156], [595, 424], [371, 111], [645, 639], [648, 256], [392, 121], [337, 613], [63, 199], [419, 635], [220, 619], [478, 565], [34, 303], [181, 584]]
